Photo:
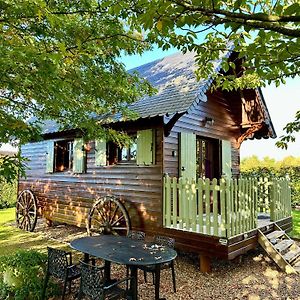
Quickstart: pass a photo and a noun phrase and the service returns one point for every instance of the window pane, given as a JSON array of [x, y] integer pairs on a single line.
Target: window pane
[[133, 151], [124, 153], [63, 155]]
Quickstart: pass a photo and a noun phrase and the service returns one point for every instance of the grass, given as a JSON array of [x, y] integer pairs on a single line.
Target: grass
[[12, 238], [296, 224]]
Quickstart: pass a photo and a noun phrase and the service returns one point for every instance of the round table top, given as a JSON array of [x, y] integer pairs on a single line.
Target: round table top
[[124, 250]]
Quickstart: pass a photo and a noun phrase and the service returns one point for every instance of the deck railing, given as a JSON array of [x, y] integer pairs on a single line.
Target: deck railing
[[223, 208]]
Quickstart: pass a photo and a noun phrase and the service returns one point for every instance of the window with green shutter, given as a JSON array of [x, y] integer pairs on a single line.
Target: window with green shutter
[[145, 153], [66, 155], [100, 152], [187, 159], [226, 159]]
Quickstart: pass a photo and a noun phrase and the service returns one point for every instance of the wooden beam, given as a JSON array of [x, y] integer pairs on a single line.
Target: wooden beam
[[205, 263], [250, 131], [168, 126]]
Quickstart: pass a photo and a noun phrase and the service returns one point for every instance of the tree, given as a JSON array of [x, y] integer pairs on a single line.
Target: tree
[[60, 60], [265, 33]]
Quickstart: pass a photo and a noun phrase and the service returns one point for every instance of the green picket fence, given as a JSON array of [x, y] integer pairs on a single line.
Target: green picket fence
[[222, 207]]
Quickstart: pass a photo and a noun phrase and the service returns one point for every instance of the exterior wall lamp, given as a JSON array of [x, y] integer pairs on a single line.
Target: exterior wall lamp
[[207, 121]]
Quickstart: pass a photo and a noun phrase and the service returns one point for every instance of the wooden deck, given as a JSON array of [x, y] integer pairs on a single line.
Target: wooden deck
[[224, 248]]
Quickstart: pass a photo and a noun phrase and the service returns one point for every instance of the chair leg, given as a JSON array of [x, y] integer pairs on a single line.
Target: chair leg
[[45, 285], [70, 284], [173, 276], [64, 289], [127, 275], [153, 278], [145, 276]]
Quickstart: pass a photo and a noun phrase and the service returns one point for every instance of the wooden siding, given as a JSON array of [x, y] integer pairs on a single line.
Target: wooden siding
[[225, 127], [67, 197]]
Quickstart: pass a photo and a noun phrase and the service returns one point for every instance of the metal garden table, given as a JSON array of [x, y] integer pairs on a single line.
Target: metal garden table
[[125, 251]]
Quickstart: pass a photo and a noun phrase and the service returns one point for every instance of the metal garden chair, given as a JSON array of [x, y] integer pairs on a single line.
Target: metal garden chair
[[92, 284], [167, 242], [135, 235], [60, 266]]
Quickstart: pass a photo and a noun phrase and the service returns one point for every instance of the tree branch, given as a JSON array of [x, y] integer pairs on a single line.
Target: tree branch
[[256, 20]]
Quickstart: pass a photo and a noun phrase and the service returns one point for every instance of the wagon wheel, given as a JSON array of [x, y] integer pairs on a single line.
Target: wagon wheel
[[26, 210], [108, 216]]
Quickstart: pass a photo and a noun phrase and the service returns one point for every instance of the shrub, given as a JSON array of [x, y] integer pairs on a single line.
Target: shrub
[[22, 276], [8, 193], [288, 167]]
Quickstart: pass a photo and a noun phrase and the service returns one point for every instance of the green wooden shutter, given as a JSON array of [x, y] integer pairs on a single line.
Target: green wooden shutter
[[145, 147], [78, 156], [100, 152], [226, 159], [50, 157], [187, 163]]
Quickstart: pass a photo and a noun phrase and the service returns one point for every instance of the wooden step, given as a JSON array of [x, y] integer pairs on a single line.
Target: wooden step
[[296, 266], [283, 245], [275, 234], [292, 255]]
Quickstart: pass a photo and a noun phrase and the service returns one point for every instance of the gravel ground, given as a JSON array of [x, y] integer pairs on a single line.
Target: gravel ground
[[254, 277]]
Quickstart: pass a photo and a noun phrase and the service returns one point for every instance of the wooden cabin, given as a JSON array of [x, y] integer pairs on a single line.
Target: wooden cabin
[[186, 132]]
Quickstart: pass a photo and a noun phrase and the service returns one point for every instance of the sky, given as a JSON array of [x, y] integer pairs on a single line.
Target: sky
[[283, 102]]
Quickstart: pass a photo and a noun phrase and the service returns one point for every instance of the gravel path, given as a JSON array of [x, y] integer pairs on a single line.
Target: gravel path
[[254, 277]]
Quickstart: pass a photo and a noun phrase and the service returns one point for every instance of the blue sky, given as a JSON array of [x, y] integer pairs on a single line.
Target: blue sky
[[282, 102]]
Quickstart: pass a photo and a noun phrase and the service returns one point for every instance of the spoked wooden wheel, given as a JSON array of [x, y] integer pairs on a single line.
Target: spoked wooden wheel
[[108, 216], [26, 210]]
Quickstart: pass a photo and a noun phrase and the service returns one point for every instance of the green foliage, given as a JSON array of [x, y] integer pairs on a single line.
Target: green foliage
[[60, 60], [265, 34], [295, 233], [8, 193], [10, 168], [267, 167], [22, 275]]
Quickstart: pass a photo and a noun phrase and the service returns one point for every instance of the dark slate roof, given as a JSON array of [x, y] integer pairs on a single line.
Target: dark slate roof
[[176, 84]]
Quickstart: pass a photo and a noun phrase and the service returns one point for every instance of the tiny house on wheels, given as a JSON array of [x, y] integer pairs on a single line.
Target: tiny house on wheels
[[179, 178]]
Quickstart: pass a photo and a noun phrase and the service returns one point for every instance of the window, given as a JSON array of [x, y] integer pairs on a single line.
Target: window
[[63, 152], [141, 150], [128, 153], [121, 154], [66, 155], [207, 158]]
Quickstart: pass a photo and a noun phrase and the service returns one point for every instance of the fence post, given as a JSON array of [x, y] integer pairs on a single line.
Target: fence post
[[186, 203], [272, 200], [164, 201], [200, 204], [175, 191], [193, 206], [168, 201], [207, 205], [215, 206], [180, 201], [224, 225]]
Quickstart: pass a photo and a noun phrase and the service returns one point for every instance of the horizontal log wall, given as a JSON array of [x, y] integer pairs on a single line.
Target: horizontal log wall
[[225, 127], [67, 197]]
